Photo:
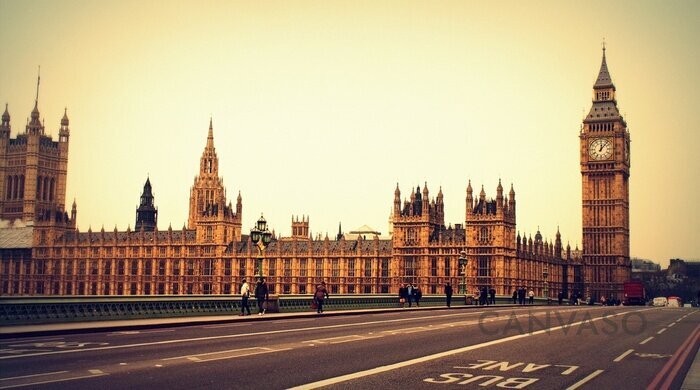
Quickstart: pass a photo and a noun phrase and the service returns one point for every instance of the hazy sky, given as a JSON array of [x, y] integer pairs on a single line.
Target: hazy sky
[[320, 108]]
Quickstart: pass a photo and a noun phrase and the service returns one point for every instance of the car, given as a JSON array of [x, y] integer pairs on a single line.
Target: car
[[674, 302], [660, 301]]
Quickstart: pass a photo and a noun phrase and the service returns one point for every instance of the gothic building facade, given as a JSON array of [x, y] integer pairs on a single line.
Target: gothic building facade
[[43, 253]]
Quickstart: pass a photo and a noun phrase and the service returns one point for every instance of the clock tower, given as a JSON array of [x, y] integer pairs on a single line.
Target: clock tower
[[605, 171]]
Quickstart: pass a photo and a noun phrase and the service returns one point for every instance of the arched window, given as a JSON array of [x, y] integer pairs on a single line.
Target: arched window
[[39, 183], [52, 188], [21, 187], [46, 189]]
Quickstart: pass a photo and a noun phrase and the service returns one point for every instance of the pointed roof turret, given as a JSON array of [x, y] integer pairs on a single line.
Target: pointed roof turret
[[482, 194], [64, 120], [397, 192], [604, 80], [210, 136], [5, 115]]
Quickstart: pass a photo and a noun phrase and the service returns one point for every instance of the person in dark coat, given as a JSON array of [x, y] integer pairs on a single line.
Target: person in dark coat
[[261, 295], [483, 296], [492, 296], [515, 296], [409, 294], [560, 298], [417, 295], [320, 295], [448, 294], [521, 295], [403, 295]]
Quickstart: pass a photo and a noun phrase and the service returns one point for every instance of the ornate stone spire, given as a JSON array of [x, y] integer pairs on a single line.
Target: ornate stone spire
[[604, 80]]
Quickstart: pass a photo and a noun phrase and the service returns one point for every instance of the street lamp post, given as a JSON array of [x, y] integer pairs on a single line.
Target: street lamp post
[[463, 271], [545, 273], [261, 237]]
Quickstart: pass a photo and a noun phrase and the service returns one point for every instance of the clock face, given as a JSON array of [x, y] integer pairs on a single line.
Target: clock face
[[600, 149]]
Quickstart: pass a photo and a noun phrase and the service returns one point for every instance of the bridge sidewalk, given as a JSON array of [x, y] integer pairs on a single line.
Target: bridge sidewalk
[[148, 323]]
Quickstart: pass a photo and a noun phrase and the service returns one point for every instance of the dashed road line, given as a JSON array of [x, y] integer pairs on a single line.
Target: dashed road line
[[31, 376], [584, 380], [646, 340], [619, 358], [661, 331]]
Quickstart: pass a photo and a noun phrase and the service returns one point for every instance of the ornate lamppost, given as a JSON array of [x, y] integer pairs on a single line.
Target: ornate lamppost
[[545, 273], [463, 271], [261, 237]]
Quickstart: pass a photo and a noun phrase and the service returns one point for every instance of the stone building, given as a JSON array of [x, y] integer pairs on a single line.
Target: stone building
[[605, 171], [42, 252]]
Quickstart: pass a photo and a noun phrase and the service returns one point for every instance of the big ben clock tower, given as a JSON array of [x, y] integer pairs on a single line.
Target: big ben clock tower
[[605, 171]]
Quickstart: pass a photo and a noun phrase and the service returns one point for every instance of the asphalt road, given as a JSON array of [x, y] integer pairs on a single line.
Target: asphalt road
[[530, 347]]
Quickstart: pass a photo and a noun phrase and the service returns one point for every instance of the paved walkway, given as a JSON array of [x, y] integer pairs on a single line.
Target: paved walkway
[[692, 379]]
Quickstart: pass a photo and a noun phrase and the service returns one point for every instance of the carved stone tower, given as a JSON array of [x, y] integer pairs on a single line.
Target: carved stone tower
[[146, 213], [213, 219], [605, 171], [490, 226]]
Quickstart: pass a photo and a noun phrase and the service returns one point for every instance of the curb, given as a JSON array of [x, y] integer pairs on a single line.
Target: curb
[[120, 325]]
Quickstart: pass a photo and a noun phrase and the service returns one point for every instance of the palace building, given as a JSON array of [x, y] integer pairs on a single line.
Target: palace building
[[43, 253]]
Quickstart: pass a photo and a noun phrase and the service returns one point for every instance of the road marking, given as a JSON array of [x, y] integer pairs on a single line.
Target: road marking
[[341, 339], [130, 332], [661, 331], [228, 336], [293, 321], [95, 372], [619, 358], [390, 367], [672, 324], [225, 325], [13, 341], [647, 340], [33, 375], [41, 382], [674, 364], [584, 380], [228, 354]]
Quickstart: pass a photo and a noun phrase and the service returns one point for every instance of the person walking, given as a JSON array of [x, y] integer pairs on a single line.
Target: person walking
[[521, 295], [261, 295], [560, 298], [492, 296], [245, 294], [320, 294], [417, 295], [531, 294], [409, 294], [448, 294], [515, 296], [403, 293]]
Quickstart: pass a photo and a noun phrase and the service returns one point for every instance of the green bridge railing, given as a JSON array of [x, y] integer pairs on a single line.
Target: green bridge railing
[[57, 309]]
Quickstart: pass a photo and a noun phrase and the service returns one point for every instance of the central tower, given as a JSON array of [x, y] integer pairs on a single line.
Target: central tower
[[605, 171]]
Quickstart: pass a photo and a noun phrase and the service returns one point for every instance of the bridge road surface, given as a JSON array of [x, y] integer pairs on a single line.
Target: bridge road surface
[[529, 347]]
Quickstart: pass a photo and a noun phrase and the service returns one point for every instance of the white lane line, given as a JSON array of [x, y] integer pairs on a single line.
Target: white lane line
[[225, 325], [219, 352], [16, 340], [672, 324], [584, 380], [619, 358], [661, 331], [31, 376], [646, 341], [53, 381], [197, 360], [229, 336], [293, 321], [423, 359], [132, 332]]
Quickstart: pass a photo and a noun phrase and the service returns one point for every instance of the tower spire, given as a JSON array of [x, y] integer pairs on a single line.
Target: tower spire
[[38, 80]]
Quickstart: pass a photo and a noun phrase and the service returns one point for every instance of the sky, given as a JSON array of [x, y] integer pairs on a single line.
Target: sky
[[321, 107]]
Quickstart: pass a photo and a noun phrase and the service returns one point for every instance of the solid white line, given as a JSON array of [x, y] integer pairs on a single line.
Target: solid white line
[[197, 360], [15, 341], [584, 380], [661, 331], [619, 358], [325, 327], [217, 352], [225, 325], [53, 381], [390, 367], [33, 375], [647, 340], [672, 324]]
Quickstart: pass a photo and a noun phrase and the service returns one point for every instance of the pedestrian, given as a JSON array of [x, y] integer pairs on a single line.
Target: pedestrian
[[492, 296], [409, 294], [515, 296], [484, 296], [245, 294], [417, 295], [531, 294], [560, 298], [521, 295], [320, 294], [448, 294], [403, 292], [261, 295], [477, 298]]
